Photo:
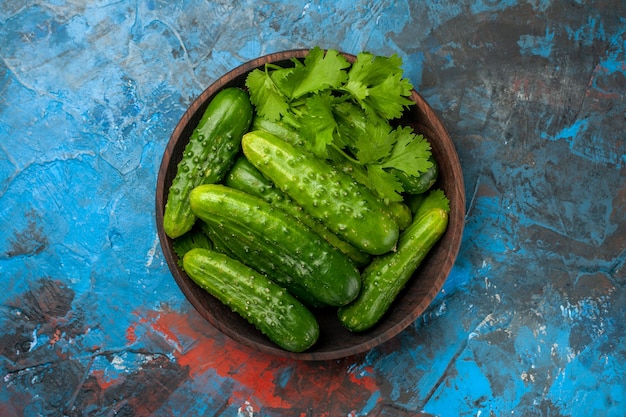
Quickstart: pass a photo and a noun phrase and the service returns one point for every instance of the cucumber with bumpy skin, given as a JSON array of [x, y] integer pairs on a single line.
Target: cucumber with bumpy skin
[[270, 308], [327, 274], [397, 209], [277, 128], [387, 275], [228, 240], [245, 177], [420, 184], [346, 207], [209, 154], [401, 213]]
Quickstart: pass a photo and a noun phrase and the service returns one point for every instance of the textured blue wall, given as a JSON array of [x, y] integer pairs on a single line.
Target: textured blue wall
[[531, 319]]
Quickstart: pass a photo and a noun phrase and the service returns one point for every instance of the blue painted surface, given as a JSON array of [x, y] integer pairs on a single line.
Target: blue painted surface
[[531, 319]]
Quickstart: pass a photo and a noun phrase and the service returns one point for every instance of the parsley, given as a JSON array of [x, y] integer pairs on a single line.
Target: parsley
[[195, 238], [319, 71], [408, 152], [267, 98], [344, 112], [376, 83], [434, 199]]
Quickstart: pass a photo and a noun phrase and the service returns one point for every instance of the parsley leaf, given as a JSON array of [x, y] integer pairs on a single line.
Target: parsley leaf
[[389, 98], [434, 199], [195, 238], [374, 144], [376, 83], [268, 100], [320, 71], [372, 69], [377, 145], [385, 184], [410, 153], [317, 123]]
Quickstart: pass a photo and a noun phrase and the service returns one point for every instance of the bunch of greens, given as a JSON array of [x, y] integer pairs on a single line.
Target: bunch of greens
[[344, 113]]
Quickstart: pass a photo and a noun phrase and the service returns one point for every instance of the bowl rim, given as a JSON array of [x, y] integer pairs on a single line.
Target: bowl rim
[[456, 218]]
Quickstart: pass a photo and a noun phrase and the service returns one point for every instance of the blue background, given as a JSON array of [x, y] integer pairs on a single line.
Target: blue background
[[531, 319]]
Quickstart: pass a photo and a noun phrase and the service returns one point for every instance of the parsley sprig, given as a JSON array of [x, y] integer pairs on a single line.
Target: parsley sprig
[[344, 112]]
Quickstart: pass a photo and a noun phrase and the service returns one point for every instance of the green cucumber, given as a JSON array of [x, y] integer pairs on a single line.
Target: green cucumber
[[229, 241], [328, 275], [346, 207], [387, 275], [245, 177], [420, 184], [267, 306], [401, 213], [277, 128], [398, 209], [209, 154], [218, 240], [282, 130]]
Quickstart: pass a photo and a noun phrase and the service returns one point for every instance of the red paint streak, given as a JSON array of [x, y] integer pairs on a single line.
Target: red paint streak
[[252, 372], [200, 353], [104, 382], [366, 381], [131, 335], [266, 381]]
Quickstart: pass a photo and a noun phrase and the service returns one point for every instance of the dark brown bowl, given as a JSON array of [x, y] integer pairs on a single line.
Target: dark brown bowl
[[335, 341]]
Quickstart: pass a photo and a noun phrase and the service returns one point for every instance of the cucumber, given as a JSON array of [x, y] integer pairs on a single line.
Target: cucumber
[[278, 128], [270, 308], [217, 239], [401, 213], [245, 177], [229, 242], [208, 155], [387, 275], [327, 275], [346, 207], [420, 184], [397, 209]]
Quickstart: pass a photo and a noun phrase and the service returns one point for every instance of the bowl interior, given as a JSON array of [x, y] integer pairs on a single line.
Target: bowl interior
[[335, 341]]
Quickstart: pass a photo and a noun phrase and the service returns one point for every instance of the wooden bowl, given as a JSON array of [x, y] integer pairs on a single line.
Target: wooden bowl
[[335, 341]]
